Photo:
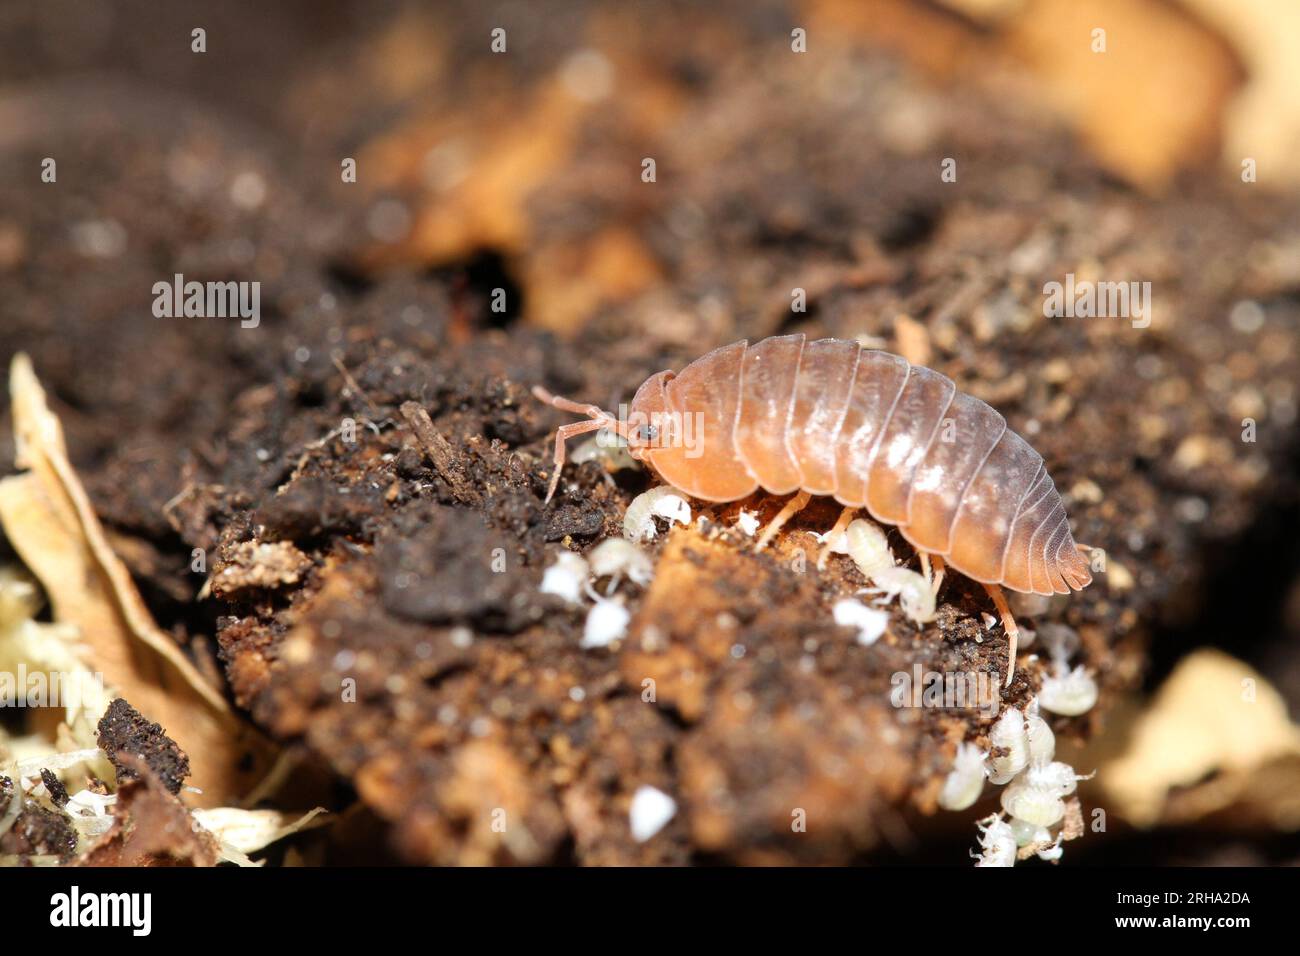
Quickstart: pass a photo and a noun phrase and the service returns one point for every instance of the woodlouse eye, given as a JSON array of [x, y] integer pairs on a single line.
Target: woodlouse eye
[[644, 434]]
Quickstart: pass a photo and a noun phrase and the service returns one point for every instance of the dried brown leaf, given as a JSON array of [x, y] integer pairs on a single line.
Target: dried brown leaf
[[151, 828], [48, 518], [1215, 730]]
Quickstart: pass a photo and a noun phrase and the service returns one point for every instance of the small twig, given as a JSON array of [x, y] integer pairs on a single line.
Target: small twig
[[438, 449], [353, 387]]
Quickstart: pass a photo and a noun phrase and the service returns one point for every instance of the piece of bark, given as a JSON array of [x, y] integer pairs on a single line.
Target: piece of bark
[[439, 451]]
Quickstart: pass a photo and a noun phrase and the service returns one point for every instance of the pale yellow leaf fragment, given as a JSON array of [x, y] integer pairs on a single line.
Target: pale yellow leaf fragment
[[48, 518], [241, 832], [1214, 731]]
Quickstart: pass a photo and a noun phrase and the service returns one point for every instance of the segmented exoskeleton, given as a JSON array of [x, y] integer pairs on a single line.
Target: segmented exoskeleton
[[829, 417]]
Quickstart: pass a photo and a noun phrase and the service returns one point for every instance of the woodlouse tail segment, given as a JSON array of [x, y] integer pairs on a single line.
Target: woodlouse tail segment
[[598, 418], [1080, 573], [1071, 565], [1009, 625]]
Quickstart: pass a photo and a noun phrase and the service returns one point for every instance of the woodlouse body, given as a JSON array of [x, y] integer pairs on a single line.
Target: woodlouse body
[[829, 417]]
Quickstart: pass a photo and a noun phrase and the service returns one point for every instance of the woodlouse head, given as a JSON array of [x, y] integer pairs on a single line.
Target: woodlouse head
[[648, 421], [646, 425]]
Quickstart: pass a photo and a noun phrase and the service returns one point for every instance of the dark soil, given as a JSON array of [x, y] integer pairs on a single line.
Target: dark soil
[[123, 730]]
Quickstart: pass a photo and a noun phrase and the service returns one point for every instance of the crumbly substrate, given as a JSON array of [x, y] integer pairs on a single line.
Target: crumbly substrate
[[124, 730], [402, 637]]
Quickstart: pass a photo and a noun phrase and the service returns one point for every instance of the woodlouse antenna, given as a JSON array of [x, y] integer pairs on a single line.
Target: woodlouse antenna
[[568, 404], [599, 418]]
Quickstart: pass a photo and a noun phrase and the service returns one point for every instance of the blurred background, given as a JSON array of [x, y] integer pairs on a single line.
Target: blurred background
[[1147, 140]]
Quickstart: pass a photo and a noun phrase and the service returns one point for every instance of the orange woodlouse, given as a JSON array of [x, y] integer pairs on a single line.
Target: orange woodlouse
[[830, 417]]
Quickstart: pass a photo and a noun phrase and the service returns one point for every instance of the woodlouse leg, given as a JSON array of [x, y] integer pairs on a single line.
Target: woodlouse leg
[[563, 434], [792, 507], [599, 419], [939, 570], [837, 529], [1008, 624]]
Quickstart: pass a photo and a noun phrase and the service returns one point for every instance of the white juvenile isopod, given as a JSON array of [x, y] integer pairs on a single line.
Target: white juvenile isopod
[[566, 577], [609, 449], [1054, 776], [1068, 692], [997, 842], [1042, 742], [663, 501], [867, 545], [614, 557], [606, 622], [914, 592], [1036, 805], [965, 782], [1010, 740]]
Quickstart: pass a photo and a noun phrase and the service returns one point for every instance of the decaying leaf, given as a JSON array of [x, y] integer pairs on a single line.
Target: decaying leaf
[[31, 647], [1148, 94], [151, 828], [49, 520], [1263, 119], [241, 832], [1216, 736], [46, 825]]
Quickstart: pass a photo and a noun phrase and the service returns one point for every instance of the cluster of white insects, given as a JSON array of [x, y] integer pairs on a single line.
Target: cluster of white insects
[[863, 541], [614, 560], [1033, 819], [1034, 813], [571, 576], [1038, 809]]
